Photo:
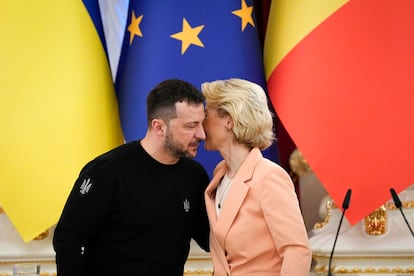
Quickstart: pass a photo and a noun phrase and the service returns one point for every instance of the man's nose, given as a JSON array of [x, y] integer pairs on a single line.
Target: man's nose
[[200, 133]]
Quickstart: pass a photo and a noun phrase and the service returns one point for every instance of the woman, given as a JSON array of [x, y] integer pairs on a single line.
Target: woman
[[256, 224]]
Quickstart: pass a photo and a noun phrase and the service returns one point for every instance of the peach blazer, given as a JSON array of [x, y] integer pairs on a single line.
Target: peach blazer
[[260, 230]]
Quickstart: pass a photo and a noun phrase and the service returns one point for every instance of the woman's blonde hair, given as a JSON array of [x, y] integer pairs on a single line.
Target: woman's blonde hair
[[246, 103]]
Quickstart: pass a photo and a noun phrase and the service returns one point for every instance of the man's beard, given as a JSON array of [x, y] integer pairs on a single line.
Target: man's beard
[[176, 148]]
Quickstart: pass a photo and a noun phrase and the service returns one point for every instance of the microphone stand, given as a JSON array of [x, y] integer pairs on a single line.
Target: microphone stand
[[398, 204], [345, 206]]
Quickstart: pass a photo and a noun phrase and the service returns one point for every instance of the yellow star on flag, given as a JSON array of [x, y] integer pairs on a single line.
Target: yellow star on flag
[[188, 36], [245, 13], [133, 28]]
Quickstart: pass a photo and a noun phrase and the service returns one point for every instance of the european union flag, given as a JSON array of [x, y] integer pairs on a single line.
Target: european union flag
[[193, 40]]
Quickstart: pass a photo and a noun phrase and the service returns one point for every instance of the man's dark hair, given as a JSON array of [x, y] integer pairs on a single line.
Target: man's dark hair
[[162, 99]]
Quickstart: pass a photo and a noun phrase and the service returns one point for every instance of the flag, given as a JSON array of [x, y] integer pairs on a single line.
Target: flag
[[339, 75], [196, 41], [58, 107]]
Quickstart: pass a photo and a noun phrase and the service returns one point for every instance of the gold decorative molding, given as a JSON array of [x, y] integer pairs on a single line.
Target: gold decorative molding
[[369, 270], [187, 272], [42, 235], [405, 205], [198, 272], [376, 223], [329, 206], [384, 269], [298, 164]]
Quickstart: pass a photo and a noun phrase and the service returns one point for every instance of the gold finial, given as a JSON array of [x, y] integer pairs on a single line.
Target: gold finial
[[376, 222]]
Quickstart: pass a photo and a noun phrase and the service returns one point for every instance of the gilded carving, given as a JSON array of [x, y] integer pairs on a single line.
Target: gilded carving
[[405, 205], [42, 235], [376, 222], [298, 164], [323, 269], [329, 206]]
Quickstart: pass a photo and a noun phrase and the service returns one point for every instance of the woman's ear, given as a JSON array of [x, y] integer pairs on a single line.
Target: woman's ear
[[229, 123]]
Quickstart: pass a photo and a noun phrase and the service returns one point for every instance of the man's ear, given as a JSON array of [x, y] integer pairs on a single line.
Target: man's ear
[[158, 126]]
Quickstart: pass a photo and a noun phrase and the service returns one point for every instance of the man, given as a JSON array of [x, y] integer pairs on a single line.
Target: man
[[134, 209]]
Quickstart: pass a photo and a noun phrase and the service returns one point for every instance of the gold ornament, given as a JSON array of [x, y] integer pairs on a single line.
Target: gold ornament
[[298, 164]]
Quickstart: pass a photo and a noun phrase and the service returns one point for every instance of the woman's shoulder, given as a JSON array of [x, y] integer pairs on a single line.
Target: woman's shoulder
[[268, 167]]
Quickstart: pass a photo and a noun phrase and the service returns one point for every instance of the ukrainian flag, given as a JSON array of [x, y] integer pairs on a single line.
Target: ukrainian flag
[[58, 108]]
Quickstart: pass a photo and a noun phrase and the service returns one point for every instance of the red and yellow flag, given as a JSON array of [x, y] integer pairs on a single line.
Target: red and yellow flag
[[57, 107], [340, 76]]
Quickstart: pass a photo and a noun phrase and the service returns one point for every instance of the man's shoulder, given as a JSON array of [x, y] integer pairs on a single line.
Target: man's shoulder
[[111, 158]]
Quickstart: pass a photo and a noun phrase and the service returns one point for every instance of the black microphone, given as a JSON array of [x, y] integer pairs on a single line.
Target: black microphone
[[398, 204], [345, 206]]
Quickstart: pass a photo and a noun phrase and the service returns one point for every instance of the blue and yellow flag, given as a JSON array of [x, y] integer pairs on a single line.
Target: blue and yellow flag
[[58, 107], [196, 41]]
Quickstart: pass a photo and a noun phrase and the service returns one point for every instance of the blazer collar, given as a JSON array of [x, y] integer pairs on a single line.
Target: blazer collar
[[237, 193]]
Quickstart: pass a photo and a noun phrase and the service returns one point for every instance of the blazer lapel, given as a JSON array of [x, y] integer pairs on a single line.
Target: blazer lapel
[[237, 193], [210, 193], [231, 206]]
